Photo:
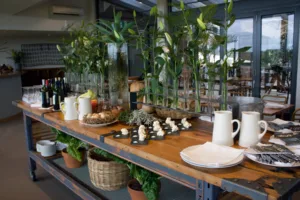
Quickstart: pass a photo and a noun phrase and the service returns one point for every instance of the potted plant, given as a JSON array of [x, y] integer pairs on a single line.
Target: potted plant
[[17, 57], [75, 152], [115, 34], [145, 185]]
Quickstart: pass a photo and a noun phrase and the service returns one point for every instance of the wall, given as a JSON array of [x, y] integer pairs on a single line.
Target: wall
[[7, 85], [15, 41], [298, 81]]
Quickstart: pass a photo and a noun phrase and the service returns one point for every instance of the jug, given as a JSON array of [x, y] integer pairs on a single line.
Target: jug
[[223, 131], [250, 130], [70, 112], [84, 106]]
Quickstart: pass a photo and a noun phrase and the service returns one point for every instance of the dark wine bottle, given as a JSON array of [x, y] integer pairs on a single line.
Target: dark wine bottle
[[50, 91], [45, 95], [56, 97], [61, 86]]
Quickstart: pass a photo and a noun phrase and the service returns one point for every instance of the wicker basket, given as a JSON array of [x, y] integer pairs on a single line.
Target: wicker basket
[[107, 175], [174, 114]]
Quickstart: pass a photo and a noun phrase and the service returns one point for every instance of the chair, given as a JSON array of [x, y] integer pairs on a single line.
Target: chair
[[275, 99], [296, 115]]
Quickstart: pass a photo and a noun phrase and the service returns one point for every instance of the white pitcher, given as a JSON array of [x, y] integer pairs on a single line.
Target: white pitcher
[[84, 106], [250, 131], [70, 112], [223, 131]]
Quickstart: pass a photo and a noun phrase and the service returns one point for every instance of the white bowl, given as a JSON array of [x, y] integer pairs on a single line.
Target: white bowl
[[46, 148]]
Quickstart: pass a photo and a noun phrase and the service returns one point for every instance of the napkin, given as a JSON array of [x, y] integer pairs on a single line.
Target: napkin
[[211, 154], [273, 105]]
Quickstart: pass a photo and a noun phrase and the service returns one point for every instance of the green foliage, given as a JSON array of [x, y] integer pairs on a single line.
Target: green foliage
[[82, 52], [148, 180], [17, 56], [139, 117], [109, 156], [74, 144], [124, 116], [115, 31]]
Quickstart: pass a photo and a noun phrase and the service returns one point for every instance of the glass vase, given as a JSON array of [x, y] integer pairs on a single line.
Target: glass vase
[[118, 75]]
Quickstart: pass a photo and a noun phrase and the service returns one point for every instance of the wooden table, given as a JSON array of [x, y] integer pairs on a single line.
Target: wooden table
[[277, 111], [162, 157]]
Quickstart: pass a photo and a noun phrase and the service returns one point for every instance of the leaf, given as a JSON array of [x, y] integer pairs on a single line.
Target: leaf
[[153, 11], [102, 29], [181, 5], [201, 24], [160, 60], [169, 39], [244, 49], [161, 25], [232, 20], [201, 17], [134, 14], [230, 6], [116, 34], [132, 32]]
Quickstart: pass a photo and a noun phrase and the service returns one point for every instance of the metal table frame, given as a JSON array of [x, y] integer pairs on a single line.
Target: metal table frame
[[202, 189]]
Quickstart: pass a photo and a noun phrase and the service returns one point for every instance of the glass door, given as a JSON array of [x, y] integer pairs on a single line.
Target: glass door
[[240, 35], [276, 55]]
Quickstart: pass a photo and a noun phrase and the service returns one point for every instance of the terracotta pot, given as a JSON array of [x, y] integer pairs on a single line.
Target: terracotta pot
[[135, 194], [72, 162]]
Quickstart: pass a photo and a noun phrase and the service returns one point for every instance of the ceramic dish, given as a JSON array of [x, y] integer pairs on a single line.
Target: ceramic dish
[[98, 125]]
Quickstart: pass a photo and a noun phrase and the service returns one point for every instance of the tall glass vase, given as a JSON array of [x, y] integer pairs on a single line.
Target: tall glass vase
[[118, 75]]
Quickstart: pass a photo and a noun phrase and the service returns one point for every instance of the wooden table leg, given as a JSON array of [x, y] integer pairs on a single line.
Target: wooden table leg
[[30, 147]]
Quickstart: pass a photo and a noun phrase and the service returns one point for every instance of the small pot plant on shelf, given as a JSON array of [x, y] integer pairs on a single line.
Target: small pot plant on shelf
[[145, 185], [75, 152], [17, 57]]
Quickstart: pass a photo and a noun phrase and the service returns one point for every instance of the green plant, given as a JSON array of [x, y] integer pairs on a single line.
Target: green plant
[[148, 180], [140, 117], [74, 144], [17, 56], [115, 31], [124, 116], [109, 156]]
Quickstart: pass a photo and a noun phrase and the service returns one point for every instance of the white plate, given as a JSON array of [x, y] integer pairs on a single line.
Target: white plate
[[98, 125], [235, 162], [278, 164], [232, 163]]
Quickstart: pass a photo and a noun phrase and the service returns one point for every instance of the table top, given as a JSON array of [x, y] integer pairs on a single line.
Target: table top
[[166, 152], [276, 111]]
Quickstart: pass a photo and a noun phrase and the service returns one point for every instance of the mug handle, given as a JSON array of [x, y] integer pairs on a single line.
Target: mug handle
[[62, 110], [266, 128], [75, 104], [238, 128]]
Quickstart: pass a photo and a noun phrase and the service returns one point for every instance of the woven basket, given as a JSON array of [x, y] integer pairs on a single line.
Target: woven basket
[[174, 114], [107, 175]]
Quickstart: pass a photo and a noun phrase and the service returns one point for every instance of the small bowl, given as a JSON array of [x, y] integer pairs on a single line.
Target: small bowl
[[46, 148]]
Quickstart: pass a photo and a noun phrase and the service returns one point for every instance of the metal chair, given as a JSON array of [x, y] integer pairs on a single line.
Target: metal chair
[[275, 99], [296, 115]]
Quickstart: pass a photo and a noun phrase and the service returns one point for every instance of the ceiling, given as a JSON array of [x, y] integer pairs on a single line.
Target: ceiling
[[145, 5]]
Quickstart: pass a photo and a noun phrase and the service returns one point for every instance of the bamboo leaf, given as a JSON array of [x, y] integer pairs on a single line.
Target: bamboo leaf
[[169, 39], [116, 34], [201, 24], [132, 32], [153, 11], [230, 6], [244, 49], [134, 14], [232, 20], [181, 5]]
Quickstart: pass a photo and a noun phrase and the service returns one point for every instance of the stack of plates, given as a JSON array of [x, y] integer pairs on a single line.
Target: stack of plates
[[211, 155]]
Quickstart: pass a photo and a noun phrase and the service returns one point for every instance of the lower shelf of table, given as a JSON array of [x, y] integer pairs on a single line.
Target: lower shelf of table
[[169, 189]]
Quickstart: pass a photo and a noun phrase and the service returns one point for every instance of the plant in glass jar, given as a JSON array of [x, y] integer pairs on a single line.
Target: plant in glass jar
[[115, 34]]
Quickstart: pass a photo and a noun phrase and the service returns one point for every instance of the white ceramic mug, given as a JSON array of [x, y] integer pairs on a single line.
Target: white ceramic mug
[[223, 131], [84, 106], [250, 131], [70, 112]]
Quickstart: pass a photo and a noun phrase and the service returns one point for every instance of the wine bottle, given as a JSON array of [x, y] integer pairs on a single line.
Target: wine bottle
[[45, 95], [56, 98], [62, 93], [50, 91]]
